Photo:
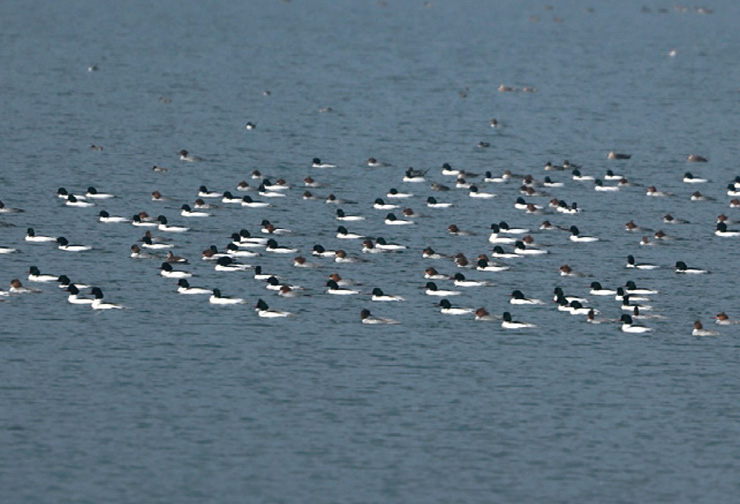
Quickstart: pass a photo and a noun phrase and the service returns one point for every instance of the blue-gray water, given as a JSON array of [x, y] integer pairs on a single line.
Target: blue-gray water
[[176, 400]]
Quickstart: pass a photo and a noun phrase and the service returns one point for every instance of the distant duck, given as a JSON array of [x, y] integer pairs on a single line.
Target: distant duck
[[105, 217], [599, 186], [244, 186], [219, 299], [681, 267], [474, 192], [392, 220], [164, 226], [722, 319], [483, 265], [382, 244], [669, 219], [447, 308], [185, 288], [653, 191], [598, 290], [433, 290], [379, 204], [99, 304], [566, 270], [173, 259], [629, 326], [699, 330], [558, 293], [368, 318], [433, 203], [723, 231], [610, 175], [73, 201], [229, 198], [547, 182], [432, 274], [8, 210], [16, 287], [374, 163], [461, 281], [334, 288], [344, 234], [340, 215], [34, 275], [379, 295], [576, 175], [517, 297], [64, 245], [167, 271], [689, 178], [617, 155], [697, 196], [248, 202], [186, 211], [187, 157], [481, 314], [429, 253], [395, 193], [631, 263], [414, 176], [317, 163], [509, 323], [74, 297], [203, 192], [93, 193], [575, 236], [31, 236]]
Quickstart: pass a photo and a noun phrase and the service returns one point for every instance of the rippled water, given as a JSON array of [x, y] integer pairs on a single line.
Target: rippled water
[[175, 400]]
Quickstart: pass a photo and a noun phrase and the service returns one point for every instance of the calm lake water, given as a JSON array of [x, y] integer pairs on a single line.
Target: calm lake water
[[177, 400]]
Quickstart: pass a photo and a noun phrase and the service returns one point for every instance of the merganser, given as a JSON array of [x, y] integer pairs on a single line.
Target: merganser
[[509, 323], [99, 304], [629, 327], [700, 331], [367, 318], [217, 298]]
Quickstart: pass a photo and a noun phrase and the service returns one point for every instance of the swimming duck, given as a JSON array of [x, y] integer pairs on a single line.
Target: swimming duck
[[185, 288], [629, 326], [631, 263], [64, 245], [517, 297], [34, 275], [682, 268], [74, 297], [369, 319], [509, 323], [189, 158], [335, 289], [379, 295], [167, 271], [32, 237], [219, 299], [433, 290], [575, 236], [699, 330], [447, 308], [107, 218], [99, 304]]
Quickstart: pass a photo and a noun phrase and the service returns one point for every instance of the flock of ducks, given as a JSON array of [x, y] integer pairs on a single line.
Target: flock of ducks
[[510, 245]]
